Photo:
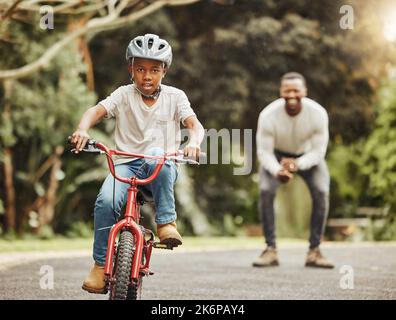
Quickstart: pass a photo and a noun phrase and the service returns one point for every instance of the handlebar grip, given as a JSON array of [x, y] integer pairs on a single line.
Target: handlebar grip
[[90, 145]]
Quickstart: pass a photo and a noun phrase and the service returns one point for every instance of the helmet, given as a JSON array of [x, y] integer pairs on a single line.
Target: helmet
[[150, 46]]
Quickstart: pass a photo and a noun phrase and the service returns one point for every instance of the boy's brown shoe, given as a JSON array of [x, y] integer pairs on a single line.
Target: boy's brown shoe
[[95, 282], [167, 233], [317, 260], [268, 258]]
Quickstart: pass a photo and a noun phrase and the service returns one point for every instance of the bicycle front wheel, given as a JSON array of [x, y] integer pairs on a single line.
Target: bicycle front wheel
[[122, 267]]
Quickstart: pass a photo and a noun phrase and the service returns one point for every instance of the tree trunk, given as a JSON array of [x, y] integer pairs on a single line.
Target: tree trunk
[[47, 210], [45, 205], [10, 210], [9, 190], [83, 50]]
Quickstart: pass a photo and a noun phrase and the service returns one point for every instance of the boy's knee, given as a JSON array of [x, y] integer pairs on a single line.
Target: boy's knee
[[167, 172], [105, 200]]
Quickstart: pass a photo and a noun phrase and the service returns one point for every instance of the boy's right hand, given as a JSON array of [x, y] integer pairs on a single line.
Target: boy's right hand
[[79, 138]]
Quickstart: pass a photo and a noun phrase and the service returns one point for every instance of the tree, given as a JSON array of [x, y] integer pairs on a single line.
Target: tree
[[34, 126], [231, 70], [94, 22], [379, 151], [28, 118]]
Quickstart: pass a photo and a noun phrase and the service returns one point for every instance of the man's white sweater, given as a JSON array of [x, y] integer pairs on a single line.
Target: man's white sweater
[[306, 133]]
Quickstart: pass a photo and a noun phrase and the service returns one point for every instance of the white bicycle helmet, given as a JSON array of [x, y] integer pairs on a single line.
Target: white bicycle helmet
[[150, 46]]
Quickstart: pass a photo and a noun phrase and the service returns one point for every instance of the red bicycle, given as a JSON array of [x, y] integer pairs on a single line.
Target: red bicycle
[[128, 259]]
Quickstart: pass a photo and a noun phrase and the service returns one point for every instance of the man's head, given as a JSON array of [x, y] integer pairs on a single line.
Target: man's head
[[293, 89], [148, 57]]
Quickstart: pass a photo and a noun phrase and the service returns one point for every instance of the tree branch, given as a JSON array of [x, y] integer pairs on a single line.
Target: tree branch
[[92, 26], [10, 10]]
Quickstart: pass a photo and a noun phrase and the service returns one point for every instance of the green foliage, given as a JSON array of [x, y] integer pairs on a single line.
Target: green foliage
[[386, 232], [380, 149], [229, 61], [46, 233], [45, 108], [80, 229], [347, 179], [363, 174], [379, 156]]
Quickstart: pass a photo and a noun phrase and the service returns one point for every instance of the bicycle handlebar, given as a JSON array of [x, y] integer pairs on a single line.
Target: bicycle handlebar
[[95, 146]]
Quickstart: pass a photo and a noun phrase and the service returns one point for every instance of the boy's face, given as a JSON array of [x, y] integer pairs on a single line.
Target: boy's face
[[147, 74], [293, 90]]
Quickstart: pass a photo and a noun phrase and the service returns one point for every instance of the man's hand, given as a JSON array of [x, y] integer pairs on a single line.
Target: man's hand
[[79, 138], [284, 175], [289, 164], [192, 151]]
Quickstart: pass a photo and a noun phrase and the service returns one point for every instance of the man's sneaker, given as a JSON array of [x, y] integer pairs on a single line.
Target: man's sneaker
[[317, 260], [168, 235], [267, 258], [95, 282]]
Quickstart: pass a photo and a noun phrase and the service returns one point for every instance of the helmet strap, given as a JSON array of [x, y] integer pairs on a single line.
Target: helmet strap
[[153, 96]]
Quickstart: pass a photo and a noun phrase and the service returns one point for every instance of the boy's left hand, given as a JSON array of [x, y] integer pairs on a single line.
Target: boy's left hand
[[192, 151]]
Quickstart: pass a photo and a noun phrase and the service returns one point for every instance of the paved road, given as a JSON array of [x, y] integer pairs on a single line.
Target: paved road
[[224, 275]]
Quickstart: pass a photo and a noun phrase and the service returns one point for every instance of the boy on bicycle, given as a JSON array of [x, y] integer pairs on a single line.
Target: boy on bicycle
[[148, 116]]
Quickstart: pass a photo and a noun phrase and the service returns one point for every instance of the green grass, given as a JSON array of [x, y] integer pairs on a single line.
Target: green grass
[[55, 244], [65, 244]]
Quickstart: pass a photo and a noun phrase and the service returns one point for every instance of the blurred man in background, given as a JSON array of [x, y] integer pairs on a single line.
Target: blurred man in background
[[292, 137]]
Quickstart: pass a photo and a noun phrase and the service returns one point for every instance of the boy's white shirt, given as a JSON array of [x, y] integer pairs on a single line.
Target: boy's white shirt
[[140, 127], [306, 133]]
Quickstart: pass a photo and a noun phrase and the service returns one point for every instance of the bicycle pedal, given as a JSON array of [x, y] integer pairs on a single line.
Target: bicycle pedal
[[146, 272], [165, 246]]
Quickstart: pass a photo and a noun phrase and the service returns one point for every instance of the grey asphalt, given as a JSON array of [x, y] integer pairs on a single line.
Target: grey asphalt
[[225, 275]]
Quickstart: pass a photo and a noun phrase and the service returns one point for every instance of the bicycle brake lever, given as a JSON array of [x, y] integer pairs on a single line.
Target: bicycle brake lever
[[182, 159], [89, 147], [186, 160]]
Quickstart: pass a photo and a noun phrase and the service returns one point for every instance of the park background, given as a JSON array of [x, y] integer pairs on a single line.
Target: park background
[[228, 58]]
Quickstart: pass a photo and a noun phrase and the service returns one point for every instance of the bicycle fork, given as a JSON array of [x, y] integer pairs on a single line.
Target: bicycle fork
[[132, 214]]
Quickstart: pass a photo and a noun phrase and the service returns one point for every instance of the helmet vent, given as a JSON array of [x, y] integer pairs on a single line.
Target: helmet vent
[[161, 46], [139, 43], [150, 43]]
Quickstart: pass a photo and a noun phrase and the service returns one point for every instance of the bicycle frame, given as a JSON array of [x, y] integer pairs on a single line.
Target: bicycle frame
[[132, 216]]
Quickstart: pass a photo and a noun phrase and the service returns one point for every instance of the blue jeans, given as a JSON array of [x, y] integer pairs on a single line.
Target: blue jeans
[[105, 216]]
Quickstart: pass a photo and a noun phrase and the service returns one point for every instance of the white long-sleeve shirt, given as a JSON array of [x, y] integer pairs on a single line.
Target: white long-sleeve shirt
[[306, 133]]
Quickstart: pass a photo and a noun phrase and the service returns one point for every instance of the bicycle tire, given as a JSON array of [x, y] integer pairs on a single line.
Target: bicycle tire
[[135, 290], [122, 267]]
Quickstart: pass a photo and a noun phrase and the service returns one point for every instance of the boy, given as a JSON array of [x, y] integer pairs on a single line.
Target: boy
[[148, 116]]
